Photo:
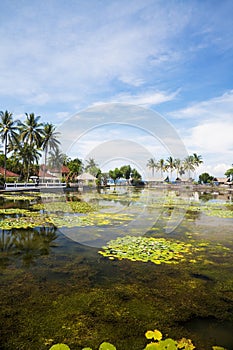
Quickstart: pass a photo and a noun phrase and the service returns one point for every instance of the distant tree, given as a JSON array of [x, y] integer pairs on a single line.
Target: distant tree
[[151, 164], [197, 160], [75, 167], [170, 165], [178, 166], [229, 173], [126, 171], [188, 165], [115, 174], [205, 178], [136, 177], [161, 166], [56, 159], [92, 167]]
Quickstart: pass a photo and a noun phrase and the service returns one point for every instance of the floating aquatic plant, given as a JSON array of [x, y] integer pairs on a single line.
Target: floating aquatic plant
[[156, 250], [156, 344], [12, 211], [25, 222], [18, 197], [66, 207]]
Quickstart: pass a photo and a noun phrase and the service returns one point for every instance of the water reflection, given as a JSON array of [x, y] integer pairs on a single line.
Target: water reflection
[[79, 290], [26, 245]]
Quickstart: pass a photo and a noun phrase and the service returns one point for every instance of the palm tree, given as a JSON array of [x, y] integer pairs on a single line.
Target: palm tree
[[151, 165], [197, 160], [31, 130], [170, 165], [160, 165], [49, 140], [56, 159], [178, 167], [29, 155], [188, 165], [8, 133], [92, 167]]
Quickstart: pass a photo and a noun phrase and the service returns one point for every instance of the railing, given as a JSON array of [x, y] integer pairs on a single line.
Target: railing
[[30, 185]]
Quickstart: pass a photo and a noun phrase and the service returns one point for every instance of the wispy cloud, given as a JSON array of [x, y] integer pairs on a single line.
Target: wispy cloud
[[145, 98], [219, 108]]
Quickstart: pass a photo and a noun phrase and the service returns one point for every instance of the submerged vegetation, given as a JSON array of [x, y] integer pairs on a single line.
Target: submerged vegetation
[[56, 291]]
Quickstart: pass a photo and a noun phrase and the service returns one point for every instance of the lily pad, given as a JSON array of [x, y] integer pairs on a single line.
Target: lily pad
[[156, 250]]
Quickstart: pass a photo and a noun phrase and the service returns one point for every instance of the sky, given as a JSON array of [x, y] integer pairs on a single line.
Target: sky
[[172, 60]]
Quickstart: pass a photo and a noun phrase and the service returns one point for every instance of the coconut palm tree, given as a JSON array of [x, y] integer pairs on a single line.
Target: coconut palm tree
[[178, 167], [170, 165], [8, 133], [56, 159], [161, 166], [188, 165], [197, 160], [32, 130], [92, 166], [151, 165], [29, 155], [49, 140]]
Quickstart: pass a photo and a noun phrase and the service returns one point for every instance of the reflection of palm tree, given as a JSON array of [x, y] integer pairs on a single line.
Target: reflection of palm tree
[[8, 133], [6, 242], [33, 242], [151, 165]]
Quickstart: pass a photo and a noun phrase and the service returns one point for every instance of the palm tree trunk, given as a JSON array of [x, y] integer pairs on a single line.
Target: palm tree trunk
[[5, 158], [45, 163]]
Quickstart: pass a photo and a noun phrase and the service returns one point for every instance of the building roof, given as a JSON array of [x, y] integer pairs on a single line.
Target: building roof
[[46, 175], [8, 173], [63, 169], [86, 176], [224, 180]]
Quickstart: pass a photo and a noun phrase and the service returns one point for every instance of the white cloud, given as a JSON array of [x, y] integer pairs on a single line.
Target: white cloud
[[215, 137], [220, 108], [145, 99]]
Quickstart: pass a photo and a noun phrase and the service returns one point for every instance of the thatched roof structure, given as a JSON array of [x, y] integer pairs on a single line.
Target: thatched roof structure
[[86, 177]]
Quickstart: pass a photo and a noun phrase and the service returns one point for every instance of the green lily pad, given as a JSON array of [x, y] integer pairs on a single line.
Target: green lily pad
[[107, 346], [147, 249], [59, 347]]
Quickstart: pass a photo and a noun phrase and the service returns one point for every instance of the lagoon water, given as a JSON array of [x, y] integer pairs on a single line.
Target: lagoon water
[[57, 287]]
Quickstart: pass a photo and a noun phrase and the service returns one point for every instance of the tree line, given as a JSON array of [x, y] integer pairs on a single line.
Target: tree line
[[25, 141], [187, 165]]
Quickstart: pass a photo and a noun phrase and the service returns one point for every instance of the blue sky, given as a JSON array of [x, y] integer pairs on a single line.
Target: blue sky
[[173, 57]]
